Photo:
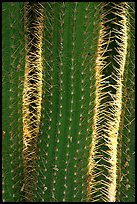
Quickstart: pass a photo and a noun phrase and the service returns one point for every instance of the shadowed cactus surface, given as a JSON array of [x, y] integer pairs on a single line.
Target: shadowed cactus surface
[[68, 101]]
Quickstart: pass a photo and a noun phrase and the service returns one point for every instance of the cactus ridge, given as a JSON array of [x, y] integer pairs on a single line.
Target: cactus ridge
[[32, 92], [55, 166], [108, 102], [72, 101], [68, 101]]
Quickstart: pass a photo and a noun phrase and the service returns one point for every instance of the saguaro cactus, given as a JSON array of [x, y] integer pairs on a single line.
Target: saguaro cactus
[[68, 101]]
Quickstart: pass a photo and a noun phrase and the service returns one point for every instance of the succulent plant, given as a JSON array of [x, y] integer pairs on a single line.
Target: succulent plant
[[68, 101]]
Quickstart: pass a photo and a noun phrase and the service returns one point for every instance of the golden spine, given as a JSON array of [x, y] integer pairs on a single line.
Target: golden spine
[[110, 62], [32, 93]]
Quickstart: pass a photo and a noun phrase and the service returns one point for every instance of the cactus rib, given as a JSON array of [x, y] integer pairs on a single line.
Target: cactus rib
[[32, 93], [68, 101], [108, 102]]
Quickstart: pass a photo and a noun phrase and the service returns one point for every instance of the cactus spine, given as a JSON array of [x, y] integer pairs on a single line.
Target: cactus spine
[[110, 63], [68, 101], [32, 92]]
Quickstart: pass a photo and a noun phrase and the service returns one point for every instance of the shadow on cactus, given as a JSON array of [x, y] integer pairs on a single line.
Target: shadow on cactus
[[68, 101]]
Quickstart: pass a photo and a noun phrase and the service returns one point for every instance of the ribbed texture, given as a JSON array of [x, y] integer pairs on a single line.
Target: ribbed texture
[[53, 92]]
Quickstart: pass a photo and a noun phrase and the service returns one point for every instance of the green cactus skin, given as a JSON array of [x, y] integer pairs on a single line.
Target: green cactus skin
[[12, 71], [70, 38]]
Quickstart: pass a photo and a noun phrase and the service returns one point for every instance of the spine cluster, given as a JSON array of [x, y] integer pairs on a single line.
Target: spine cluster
[[32, 93], [110, 62], [68, 101]]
